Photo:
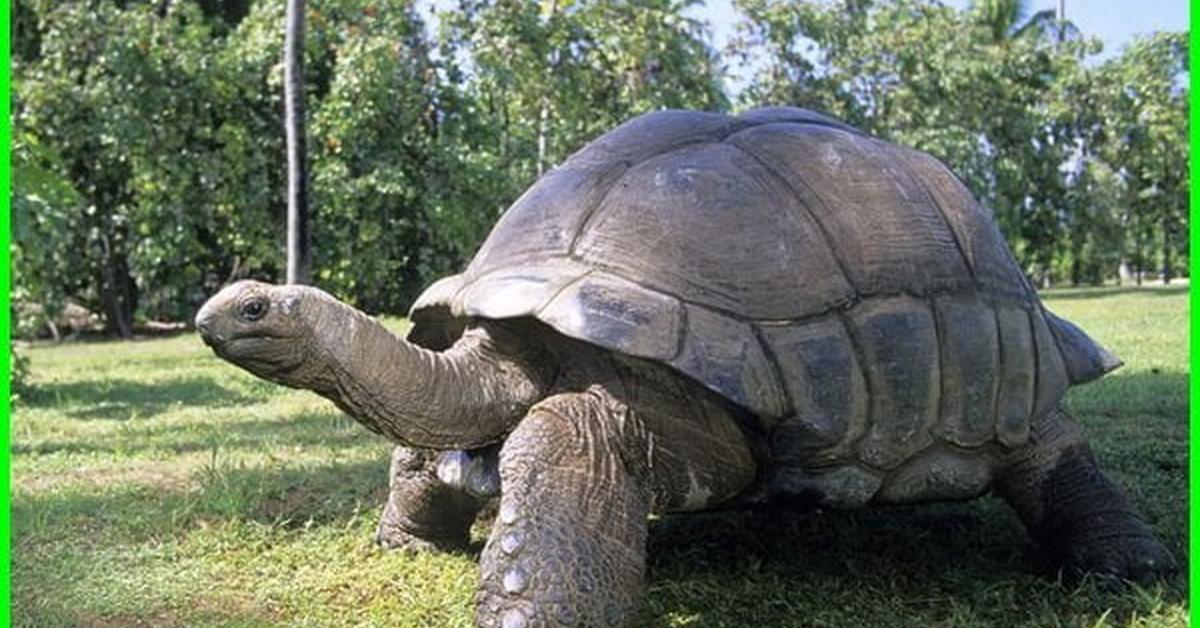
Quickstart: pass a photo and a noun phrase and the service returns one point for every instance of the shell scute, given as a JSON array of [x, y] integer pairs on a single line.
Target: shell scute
[[543, 222], [619, 314], [973, 226], [514, 291], [1052, 381], [889, 236], [669, 221], [970, 356], [1017, 375], [898, 341], [726, 355], [825, 383]]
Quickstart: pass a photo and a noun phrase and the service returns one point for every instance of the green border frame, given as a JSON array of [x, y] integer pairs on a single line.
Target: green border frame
[[1194, 327], [5, 465]]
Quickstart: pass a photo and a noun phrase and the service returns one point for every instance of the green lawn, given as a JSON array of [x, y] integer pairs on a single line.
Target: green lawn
[[154, 485]]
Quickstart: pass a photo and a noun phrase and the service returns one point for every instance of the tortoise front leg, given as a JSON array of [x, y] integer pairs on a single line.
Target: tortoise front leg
[[426, 512], [568, 547], [1078, 517], [580, 474]]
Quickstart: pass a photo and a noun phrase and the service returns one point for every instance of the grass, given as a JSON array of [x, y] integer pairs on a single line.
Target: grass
[[156, 486]]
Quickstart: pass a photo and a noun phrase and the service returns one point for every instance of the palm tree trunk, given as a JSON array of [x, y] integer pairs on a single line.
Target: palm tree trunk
[[1062, 21], [544, 112], [299, 253]]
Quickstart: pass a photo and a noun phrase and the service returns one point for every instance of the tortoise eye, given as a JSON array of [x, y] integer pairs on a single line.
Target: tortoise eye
[[254, 309]]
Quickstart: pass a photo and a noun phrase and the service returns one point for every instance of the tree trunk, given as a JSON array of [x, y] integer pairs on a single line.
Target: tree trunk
[[1060, 18], [1166, 229], [1078, 241], [543, 117], [1137, 227], [299, 253], [544, 112], [1137, 256], [116, 291]]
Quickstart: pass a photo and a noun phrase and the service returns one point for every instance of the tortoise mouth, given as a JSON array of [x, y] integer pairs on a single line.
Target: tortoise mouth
[[267, 355]]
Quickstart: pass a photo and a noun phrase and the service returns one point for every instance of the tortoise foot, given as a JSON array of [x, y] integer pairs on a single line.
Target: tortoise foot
[[1079, 518], [423, 513], [1116, 551]]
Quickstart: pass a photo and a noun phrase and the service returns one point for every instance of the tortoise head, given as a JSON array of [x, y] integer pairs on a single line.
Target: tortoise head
[[266, 329]]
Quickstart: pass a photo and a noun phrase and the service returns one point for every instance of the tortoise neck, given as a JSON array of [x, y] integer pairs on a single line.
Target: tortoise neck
[[467, 396]]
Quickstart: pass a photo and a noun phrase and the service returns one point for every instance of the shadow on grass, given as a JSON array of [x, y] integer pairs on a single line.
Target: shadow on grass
[[955, 564], [123, 399], [311, 429], [897, 540], [1078, 294], [962, 564], [274, 494]]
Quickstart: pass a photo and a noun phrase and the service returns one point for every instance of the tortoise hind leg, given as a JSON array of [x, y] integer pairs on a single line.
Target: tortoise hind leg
[[423, 512], [1077, 516]]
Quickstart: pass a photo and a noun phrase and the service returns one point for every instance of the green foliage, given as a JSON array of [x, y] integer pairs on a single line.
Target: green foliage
[[372, 141], [1143, 98], [541, 79], [123, 97], [41, 254], [148, 139], [18, 373]]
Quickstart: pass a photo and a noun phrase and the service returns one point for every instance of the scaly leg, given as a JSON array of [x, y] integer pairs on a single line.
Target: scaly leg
[[1076, 514], [424, 512], [580, 474]]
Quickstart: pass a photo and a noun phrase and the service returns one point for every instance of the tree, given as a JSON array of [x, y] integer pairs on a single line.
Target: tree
[[548, 77], [1010, 19], [1143, 95], [121, 97], [387, 190], [41, 253], [167, 125]]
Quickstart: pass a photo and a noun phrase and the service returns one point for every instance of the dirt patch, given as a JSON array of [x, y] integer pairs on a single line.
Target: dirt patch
[[123, 621], [175, 474], [201, 610]]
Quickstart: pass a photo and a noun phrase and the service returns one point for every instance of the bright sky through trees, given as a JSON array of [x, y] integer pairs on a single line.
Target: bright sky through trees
[[1115, 22]]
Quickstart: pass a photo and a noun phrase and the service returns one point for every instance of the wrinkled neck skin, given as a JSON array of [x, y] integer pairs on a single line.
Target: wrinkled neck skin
[[467, 396]]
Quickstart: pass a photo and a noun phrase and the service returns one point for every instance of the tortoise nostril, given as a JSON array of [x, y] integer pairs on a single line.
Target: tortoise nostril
[[204, 324]]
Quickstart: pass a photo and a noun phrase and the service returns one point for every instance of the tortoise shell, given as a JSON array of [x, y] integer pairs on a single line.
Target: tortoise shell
[[849, 292]]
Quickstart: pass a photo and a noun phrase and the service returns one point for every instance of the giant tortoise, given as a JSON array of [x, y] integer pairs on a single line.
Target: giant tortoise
[[698, 310]]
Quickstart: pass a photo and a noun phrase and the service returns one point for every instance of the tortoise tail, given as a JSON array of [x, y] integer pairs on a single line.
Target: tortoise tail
[[1085, 359]]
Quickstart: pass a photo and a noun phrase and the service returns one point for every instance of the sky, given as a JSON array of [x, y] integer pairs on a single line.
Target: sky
[[1115, 22]]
